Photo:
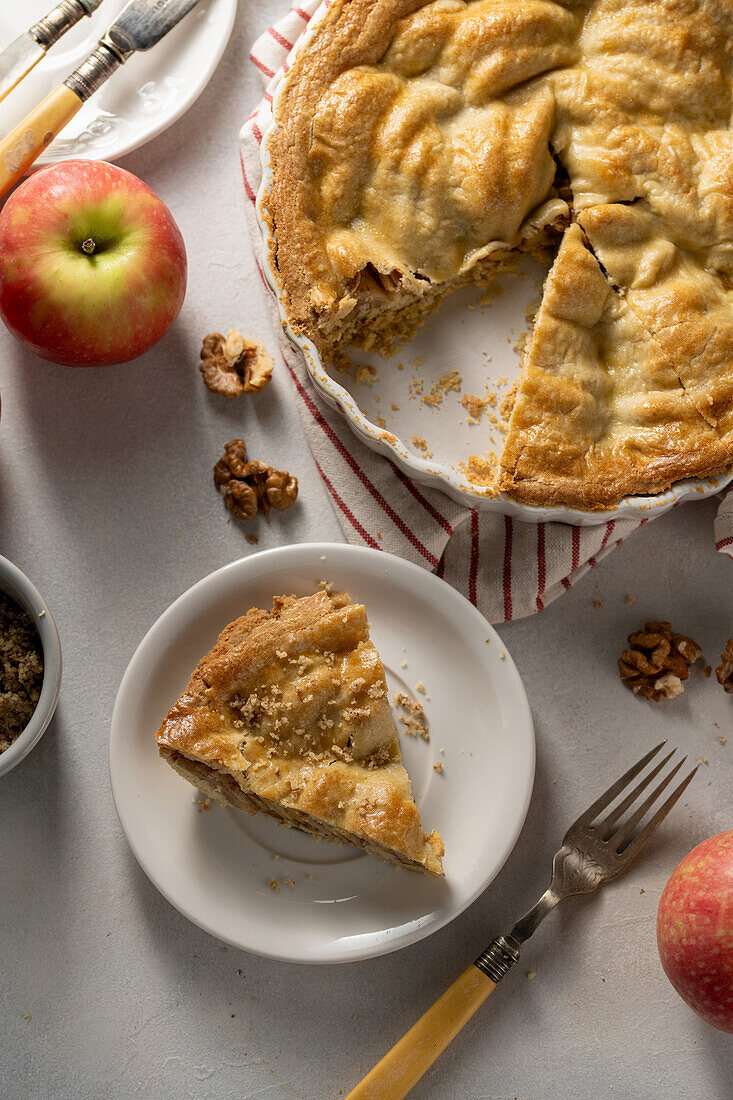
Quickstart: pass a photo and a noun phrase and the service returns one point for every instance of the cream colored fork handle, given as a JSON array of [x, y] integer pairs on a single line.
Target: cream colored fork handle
[[407, 1061], [31, 136]]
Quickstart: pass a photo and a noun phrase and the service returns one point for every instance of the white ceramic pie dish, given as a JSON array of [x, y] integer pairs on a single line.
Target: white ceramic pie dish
[[215, 865], [388, 415]]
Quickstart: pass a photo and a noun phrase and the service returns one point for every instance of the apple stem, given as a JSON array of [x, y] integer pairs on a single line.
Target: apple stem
[[88, 246]]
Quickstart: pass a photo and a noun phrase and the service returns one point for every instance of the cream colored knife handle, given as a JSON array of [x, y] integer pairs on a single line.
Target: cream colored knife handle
[[407, 1061], [31, 136]]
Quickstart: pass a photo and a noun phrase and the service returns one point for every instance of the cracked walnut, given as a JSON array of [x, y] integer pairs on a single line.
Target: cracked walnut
[[658, 661], [724, 671], [249, 487], [232, 365]]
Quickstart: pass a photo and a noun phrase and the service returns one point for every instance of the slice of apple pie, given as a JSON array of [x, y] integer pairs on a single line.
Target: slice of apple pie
[[288, 715]]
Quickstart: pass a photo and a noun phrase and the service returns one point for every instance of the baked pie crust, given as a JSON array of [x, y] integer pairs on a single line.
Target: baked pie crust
[[288, 715], [422, 145]]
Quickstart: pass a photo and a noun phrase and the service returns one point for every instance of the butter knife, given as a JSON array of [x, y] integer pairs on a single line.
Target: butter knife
[[17, 60], [139, 26]]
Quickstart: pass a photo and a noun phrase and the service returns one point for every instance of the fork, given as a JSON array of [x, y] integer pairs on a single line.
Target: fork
[[593, 852]]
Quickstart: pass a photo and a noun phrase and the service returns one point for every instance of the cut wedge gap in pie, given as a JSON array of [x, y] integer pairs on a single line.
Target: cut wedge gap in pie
[[421, 145], [288, 715]]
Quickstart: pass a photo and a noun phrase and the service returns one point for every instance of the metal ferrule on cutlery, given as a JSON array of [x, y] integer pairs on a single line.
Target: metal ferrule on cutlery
[[112, 51], [64, 16]]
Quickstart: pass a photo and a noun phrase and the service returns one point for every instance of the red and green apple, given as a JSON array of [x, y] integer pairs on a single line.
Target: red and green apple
[[92, 264], [695, 930]]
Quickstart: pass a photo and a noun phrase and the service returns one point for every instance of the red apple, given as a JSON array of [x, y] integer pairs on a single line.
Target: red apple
[[695, 930], [92, 264]]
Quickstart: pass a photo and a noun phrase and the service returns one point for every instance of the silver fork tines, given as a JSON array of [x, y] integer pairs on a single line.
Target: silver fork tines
[[615, 841], [594, 851]]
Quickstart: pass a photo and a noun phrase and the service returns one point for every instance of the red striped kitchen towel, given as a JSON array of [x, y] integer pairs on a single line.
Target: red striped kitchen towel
[[507, 568]]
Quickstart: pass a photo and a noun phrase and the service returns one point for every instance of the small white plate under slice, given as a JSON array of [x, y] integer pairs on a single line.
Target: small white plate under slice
[[216, 865], [148, 93]]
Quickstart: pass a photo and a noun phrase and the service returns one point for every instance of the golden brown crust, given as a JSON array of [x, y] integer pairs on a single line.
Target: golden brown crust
[[413, 151], [412, 144], [684, 303], [291, 705], [600, 412]]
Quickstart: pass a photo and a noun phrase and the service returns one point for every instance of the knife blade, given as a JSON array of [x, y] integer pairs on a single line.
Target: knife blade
[[17, 59], [142, 23], [139, 26]]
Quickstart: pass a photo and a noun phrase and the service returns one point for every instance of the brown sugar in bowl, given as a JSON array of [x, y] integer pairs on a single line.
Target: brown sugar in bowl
[[15, 585]]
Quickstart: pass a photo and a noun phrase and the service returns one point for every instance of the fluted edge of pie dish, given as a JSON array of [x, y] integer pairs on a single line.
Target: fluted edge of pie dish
[[424, 471]]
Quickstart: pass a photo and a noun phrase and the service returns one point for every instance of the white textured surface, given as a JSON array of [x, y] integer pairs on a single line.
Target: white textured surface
[[106, 501]]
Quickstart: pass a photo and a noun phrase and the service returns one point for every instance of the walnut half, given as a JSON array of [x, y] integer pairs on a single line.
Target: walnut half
[[232, 365], [658, 661], [724, 671], [249, 487]]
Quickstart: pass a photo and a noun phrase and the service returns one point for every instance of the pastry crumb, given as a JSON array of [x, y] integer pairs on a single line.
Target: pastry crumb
[[630, 600], [420, 686], [438, 766], [289, 881], [252, 539], [274, 884], [530, 975], [414, 720], [203, 804], [474, 406], [366, 375], [597, 604], [419, 442]]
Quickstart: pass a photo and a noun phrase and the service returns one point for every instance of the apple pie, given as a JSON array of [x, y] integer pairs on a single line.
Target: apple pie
[[421, 146], [288, 715]]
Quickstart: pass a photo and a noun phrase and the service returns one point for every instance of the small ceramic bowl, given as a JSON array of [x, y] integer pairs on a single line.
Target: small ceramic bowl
[[16, 585]]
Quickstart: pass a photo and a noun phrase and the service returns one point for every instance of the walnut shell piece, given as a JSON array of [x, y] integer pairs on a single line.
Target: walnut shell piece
[[658, 661], [724, 671], [249, 486], [232, 365]]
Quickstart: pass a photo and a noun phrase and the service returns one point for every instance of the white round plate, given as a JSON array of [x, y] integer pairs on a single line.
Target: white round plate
[[403, 414], [215, 865], [140, 100]]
